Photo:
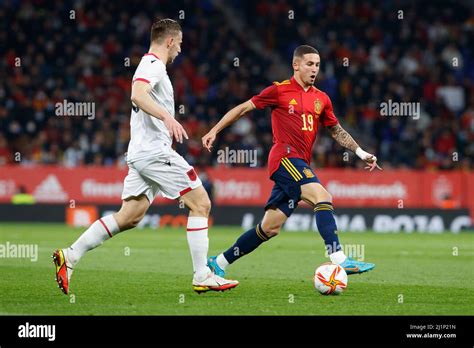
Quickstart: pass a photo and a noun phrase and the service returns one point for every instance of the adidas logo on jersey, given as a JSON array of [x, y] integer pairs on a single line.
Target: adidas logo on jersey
[[293, 102]]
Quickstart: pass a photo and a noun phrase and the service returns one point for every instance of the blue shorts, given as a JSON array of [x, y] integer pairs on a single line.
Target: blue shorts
[[288, 178]]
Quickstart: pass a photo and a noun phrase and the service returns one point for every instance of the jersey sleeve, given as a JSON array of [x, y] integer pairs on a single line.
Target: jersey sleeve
[[267, 97], [328, 119], [149, 72]]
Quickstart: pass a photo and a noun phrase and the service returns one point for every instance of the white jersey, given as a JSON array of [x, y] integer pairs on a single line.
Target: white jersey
[[149, 136]]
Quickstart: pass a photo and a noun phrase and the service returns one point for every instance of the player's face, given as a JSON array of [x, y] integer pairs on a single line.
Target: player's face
[[308, 68], [175, 48]]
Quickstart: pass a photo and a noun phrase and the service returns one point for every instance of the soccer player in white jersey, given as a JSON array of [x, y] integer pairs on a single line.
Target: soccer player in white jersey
[[154, 167]]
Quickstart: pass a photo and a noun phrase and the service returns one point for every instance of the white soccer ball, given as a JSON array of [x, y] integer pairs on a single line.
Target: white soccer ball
[[330, 279]]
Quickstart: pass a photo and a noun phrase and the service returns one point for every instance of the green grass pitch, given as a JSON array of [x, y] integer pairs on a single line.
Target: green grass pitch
[[148, 272]]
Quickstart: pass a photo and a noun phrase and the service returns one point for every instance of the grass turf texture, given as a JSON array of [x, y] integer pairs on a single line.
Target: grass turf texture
[[276, 279]]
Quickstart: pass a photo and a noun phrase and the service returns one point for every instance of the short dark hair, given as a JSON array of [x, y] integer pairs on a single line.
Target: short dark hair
[[163, 28], [300, 51]]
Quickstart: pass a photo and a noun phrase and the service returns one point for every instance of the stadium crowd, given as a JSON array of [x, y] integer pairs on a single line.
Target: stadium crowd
[[372, 52]]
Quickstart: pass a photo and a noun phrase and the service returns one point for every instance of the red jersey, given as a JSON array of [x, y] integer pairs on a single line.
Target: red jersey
[[296, 116]]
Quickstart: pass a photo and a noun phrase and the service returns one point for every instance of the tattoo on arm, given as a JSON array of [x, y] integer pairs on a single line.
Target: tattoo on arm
[[343, 138]]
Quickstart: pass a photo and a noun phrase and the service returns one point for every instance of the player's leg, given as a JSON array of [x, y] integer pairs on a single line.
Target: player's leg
[[136, 197], [177, 179], [129, 215], [250, 240], [320, 199], [199, 206], [279, 207]]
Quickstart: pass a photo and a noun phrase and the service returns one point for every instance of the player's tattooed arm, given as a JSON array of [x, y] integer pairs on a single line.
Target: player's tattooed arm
[[343, 138]]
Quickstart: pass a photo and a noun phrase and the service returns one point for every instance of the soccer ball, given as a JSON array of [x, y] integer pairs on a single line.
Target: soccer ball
[[330, 279]]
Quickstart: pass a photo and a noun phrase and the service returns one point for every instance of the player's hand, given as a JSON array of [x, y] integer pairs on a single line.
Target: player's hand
[[369, 159], [371, 162], [176, 129], [208, 140]]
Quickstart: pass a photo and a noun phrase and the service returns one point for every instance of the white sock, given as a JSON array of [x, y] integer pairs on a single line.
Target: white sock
[[338, 257], [198, 245], [95, 235], [222, 261]]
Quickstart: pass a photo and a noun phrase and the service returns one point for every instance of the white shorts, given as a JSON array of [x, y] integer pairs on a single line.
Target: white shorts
[[168, 174]]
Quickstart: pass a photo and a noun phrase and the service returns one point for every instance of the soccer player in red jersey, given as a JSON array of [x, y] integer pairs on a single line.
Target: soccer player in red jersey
[[298, 110]]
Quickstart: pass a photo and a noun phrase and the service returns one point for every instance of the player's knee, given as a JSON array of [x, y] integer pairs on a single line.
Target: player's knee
[[129, 224], [326, 197], [315, 198], [134, 221], [206, 206], [271, 230], [203, 206], [128, 221]]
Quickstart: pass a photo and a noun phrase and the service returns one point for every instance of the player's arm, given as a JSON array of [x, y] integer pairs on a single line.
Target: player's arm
[[230, 117], [345, 140], [141, 98]]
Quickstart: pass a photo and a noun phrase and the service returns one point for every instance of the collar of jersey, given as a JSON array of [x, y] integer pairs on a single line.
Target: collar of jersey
[[152, 54], [294, 82]]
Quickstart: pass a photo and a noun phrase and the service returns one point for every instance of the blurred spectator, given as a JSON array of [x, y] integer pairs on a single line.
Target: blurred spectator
[[5, 153], [23, 197]]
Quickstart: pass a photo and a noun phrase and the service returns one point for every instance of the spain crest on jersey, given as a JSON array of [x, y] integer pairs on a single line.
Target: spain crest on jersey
[[309, 174], [317, 106]]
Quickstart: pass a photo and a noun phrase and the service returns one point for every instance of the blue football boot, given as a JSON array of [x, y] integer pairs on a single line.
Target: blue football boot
[[352, 266], [212, 264]]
